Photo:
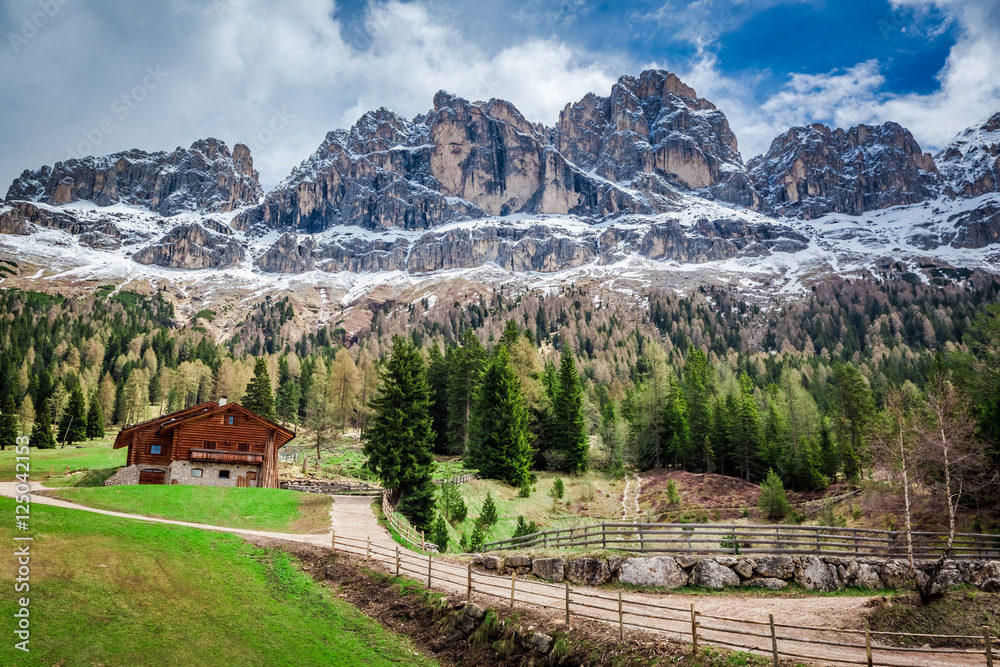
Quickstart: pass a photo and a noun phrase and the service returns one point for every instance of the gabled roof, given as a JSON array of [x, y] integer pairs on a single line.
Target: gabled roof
[[166, 423]]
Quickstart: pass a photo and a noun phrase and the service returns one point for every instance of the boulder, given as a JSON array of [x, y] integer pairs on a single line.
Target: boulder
[[862, 575], [728, 561], [588, 571], [779, 567], [990, 586], [549, 569], [771, 583], [538, 641], [894, 574], [686, 561], [990, 570], [655, 571], [517, 563], [712, 574], [469, 618], [492, 562], [744, 568], [816, 575], [614, 563]]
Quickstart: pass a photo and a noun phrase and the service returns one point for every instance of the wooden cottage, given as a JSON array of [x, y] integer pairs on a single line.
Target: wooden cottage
[[211, 444]]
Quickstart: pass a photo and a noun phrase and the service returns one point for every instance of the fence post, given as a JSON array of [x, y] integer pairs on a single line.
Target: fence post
[[428, 570], [567, 603], [621, 622], [868, 644], [642, 541], [368, 549], [513, 578], [694, 631], [333, 542], [856, 542], [989, 645], [397, 560], [423, 546], [604, 536], [774, 640], [468, 584]]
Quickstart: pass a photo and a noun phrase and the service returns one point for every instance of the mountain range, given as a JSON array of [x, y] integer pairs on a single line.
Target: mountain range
[[646, 179]]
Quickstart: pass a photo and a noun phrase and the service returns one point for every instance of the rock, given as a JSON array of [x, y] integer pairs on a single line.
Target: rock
[[549, 569], [538, 642], [771, 583], [614, 564], [816, 575], [588, 571], [976, 228], [837, 560], [812, 170], [204, 177], [194, 246], [517, 561], [492, 562], [781, 567], [478, 559], [728, 561], [653, 571], [988, 570], [686, 561], [744, 568], [469, 618], [990, 585], [894, 574], [970, 164], [861, 575], [949, 577], [711, 574]]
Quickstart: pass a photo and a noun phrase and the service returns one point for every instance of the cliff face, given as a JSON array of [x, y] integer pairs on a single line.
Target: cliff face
[[204, 177], [206, 245], [971, 162], [811, 171], [656, 125]]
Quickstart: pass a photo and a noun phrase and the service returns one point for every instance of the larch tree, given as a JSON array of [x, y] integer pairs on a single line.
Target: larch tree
[[343, 385], [499, 439], [320, 417], [400, 434], [259, 398]]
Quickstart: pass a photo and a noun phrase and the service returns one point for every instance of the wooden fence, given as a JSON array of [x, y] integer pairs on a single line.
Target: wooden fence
[[404, 530], [345, 489], [460, 479], [749, 539], [653, 619]]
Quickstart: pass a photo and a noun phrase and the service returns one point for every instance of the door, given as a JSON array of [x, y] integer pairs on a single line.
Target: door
[[152, 476]]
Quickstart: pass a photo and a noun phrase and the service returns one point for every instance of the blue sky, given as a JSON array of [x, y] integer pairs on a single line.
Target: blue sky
[[278, 76]]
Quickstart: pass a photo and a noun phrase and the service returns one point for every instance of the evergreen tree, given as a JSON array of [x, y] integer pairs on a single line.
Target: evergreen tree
[[773, 502], [437, 379], [73, 424], [8, 424], [611, 440], [569, 429], [439, 535], [400, 435], [95, 419], [489, 515], [721, 444], [498, 436], [288, 402], [41, 432], [259, 398], [464, 374], [697, 397], [829, 459], [478, 539], [855, 408], [747, 427]]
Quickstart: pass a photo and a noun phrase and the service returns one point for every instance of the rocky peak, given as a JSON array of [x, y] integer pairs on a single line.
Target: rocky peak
[[812, 170], [657, 125], [971, 162], [205, 177]]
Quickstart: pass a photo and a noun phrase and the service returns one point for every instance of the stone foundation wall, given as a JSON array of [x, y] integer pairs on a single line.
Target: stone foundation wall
[[819, 573], [181, 471], [130, 474]]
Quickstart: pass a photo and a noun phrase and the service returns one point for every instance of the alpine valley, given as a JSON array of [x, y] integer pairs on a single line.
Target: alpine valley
[[642, 187]]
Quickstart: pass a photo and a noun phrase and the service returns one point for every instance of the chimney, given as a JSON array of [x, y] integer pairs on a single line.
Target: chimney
[[222, 401]]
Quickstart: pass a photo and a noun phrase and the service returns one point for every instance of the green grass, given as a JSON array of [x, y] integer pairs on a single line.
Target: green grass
[[253, 509], [108, 591], [56, 460], [961, 611], [206, 314]]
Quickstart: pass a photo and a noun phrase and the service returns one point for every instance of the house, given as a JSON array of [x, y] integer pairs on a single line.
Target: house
[[210, 444]]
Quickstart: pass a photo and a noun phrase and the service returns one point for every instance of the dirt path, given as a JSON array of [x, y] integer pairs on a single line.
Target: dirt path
[[352, 518]]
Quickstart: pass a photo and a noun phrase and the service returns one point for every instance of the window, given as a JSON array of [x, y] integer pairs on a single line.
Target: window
[[223, 474], [229, 420], [243, 447], [155, 449], [210, 444], [196, 472]]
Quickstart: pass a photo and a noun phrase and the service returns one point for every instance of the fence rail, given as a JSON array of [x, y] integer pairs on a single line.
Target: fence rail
[[749, 539], [336, 489], [459, 479], [776, 641], [403, 528]]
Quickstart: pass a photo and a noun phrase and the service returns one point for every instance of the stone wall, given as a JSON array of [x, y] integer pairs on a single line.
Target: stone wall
[[181, 471], [819, 573], [130, 474]]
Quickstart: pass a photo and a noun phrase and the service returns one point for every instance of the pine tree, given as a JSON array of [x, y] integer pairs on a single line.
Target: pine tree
[[747, 427], [478, 539], [697, 395], [464, 375], [611, 440], [829, 460], [773, 502], [437, 379], [489, 515], [259, 398], [569, 429], [41, 432], [855, 408], [95, 419], [8, 424], [498, 435], [439, 535], [73, 425], [400, 434], [288, 402]]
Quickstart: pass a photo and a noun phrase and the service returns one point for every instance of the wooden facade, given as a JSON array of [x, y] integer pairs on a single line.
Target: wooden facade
[[206, 436]]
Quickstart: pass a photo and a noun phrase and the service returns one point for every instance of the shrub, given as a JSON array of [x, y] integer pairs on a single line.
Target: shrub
[[673, 497], [524, 491], [558, 489], [773, 502], [524, 528]]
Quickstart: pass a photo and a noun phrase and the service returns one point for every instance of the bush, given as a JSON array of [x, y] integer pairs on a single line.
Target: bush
[[558, 489], [524, 528], [524, 491], [673, 497], [773, 502], [459, 511], [489, 515]]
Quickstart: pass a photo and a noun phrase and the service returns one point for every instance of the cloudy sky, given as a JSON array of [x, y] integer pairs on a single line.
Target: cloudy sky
[[96, 76]]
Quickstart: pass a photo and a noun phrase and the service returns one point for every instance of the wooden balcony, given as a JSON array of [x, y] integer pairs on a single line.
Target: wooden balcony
[[226, 456]]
